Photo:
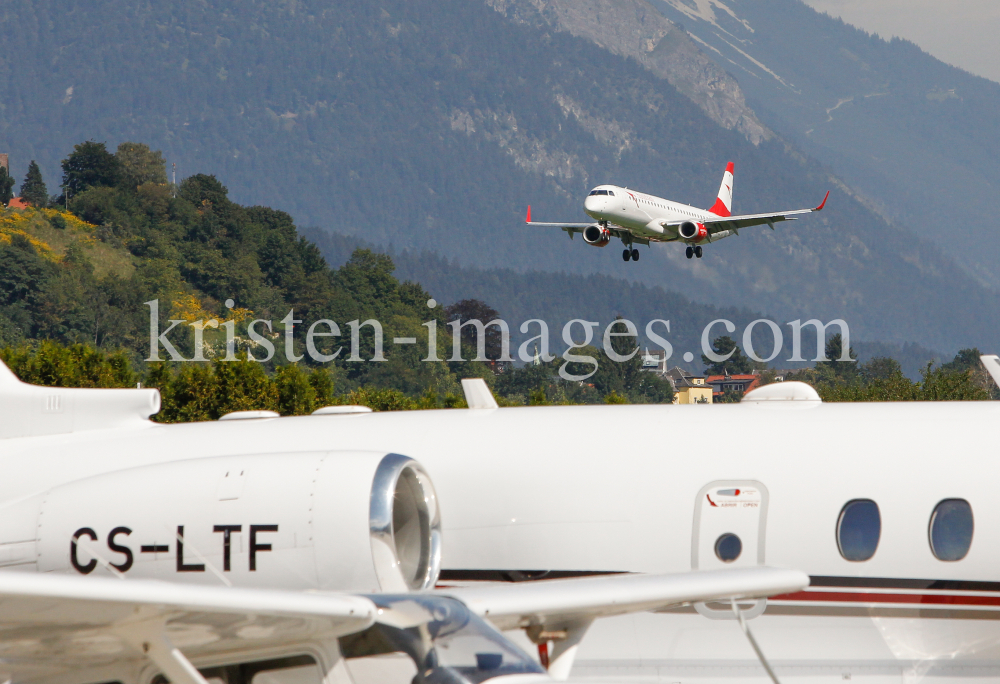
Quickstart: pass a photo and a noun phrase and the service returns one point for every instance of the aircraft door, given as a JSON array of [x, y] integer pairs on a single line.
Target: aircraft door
[[730, 518]]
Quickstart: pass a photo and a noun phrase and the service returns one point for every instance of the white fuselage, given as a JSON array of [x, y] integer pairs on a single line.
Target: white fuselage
[[638, 212], [563, 490]]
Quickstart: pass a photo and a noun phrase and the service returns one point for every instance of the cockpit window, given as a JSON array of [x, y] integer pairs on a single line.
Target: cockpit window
[[601, 192], [611, 192], [595, 192]]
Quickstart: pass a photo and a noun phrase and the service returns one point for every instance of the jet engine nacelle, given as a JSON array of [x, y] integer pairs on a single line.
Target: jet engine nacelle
[[695, 232], [348, 521], [596, 236]]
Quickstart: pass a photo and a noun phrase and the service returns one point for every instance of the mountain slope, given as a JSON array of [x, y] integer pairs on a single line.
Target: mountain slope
[[917, 136], [429, 125]]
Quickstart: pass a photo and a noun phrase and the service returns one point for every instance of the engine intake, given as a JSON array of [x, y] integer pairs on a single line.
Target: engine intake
[[596, 236], [695, 232]]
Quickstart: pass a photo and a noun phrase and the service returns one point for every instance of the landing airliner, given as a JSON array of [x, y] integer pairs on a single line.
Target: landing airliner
[[637, 218], [134, 549]]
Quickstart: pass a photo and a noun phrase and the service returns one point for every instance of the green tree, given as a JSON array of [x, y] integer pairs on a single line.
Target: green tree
[[33, 190], [140, 165], [296, 395], [965, 360], [6, 186], [474, 309], [835, 370], [90, 165], [879, 368], [737, 364]]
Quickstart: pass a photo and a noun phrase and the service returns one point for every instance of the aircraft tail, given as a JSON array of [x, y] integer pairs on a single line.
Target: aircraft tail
[[724, 202]]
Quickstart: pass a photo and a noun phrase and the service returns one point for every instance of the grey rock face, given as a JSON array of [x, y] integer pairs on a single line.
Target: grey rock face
[[633, 28]]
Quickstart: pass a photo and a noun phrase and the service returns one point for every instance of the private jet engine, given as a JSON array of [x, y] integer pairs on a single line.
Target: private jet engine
[[596, 236], [337, 520], [694, 232]]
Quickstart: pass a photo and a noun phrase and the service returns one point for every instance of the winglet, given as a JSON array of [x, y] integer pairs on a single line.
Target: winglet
[[823, 203], [528, 219]]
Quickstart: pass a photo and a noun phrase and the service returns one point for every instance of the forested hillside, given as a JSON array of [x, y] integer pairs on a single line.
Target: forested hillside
[[88, 276], [429, 125], [559, 297]]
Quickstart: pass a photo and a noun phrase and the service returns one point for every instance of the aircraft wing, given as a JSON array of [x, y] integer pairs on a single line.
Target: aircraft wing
[[733, 224], [581, 600], [58, 623]]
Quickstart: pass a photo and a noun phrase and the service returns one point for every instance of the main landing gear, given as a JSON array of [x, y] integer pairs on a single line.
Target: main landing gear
[[632, 254], [693, 251]]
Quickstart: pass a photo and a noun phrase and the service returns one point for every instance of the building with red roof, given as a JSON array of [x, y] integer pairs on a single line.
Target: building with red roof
[[736, 383]]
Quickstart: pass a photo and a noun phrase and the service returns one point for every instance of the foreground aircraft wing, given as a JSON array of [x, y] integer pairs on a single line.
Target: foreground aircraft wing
[[561, 611], [59, 623], [733, 224], [570, 600]]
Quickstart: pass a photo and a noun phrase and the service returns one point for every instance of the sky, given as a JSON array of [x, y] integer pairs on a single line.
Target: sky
[[960, 32]]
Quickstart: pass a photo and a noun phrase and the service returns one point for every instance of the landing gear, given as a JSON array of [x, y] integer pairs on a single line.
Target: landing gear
[[697, 251], [626, 255], [689, 252], [635, 254]]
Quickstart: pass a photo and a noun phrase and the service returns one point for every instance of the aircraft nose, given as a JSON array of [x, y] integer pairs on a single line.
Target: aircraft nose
[[594, 203]]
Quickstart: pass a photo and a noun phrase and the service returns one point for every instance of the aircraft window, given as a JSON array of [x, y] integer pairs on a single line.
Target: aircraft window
[[728, 547], [611, 192], [858, 529], [950, 530]]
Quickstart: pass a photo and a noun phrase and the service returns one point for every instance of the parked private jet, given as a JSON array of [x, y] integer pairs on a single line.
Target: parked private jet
[[134, 549], [637, 218]]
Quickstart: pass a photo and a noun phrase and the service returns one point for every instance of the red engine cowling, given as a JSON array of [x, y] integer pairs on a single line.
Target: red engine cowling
[[596, 236], [694, 232]]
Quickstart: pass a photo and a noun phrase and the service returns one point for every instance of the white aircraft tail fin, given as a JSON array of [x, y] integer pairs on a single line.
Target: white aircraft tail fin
[[34, 411], [992, 364], [7, 377], [724, 202]]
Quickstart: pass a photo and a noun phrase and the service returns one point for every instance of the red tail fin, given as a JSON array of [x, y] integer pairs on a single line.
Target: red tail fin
[[528, 219], [724, 202]]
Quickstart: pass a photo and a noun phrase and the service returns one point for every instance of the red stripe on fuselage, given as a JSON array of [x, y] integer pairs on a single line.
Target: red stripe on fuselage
[[870, 597]]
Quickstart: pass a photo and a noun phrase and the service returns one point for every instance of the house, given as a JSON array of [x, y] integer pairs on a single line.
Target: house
[[655, 361], [17, 203], [688, 387], [737, 383]]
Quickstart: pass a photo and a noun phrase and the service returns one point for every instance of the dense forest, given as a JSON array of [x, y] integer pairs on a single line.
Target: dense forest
[[430, 125]]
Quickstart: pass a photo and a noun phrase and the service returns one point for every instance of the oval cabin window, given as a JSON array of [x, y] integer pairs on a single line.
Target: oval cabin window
[[859, 529], [950, 530]]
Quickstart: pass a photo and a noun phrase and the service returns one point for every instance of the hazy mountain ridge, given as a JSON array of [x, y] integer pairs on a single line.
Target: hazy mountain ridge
[[430, 125], [633, 28], [559, 297], [917, 136]]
